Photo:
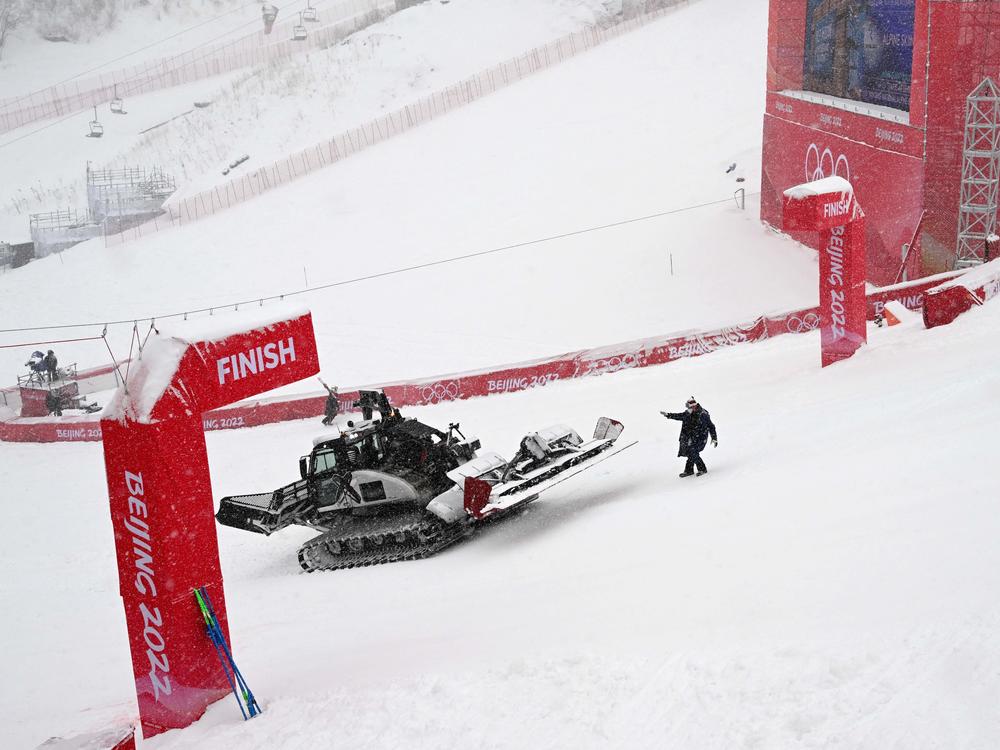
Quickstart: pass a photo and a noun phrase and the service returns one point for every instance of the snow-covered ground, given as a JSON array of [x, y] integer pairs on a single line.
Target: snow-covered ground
[[830, 583], [626, 130]]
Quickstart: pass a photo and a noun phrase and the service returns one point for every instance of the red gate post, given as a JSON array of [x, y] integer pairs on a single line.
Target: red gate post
[[161, 499], [828, 206]]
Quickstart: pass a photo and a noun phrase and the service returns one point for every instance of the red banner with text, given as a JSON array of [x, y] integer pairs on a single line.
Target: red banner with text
[[507, 379], [162, 511]]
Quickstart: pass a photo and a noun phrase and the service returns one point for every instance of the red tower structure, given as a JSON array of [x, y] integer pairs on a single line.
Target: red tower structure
[[875, 91]]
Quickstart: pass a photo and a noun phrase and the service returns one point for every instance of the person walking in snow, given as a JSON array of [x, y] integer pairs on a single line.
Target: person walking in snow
[[696, 427], [332, 408]]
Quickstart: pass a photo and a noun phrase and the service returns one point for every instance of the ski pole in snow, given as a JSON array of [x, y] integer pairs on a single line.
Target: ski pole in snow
[[248, 704]]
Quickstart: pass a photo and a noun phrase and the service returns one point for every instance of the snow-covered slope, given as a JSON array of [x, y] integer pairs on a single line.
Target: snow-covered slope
[[829, 583], [644, 124], [299, 102], [143, 32], [270, 111]]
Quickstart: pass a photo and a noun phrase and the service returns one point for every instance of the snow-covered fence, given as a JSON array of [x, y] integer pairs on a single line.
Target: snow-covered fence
[[436, 104], [335, 22]]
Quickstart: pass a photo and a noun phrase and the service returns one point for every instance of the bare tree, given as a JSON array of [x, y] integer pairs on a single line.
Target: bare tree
[[11, 14]]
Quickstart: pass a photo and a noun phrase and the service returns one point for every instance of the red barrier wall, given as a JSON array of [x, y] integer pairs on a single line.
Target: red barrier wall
[[598, 361], [945, 302]]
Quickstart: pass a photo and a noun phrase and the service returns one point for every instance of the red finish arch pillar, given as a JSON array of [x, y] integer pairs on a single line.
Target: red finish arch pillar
[[161, 497], [828, 206]]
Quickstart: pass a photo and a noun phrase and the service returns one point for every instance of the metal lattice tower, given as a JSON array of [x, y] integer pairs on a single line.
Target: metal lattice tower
[[977, 214]]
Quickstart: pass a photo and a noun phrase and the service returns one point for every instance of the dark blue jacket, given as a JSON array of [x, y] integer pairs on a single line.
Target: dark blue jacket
[[696, 426]]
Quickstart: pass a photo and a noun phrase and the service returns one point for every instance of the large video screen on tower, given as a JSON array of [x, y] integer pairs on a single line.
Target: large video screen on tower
[[860, 50]]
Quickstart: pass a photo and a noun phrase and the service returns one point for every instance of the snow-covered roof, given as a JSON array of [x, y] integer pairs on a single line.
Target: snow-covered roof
[[222, 325], [158, 363], [977, 276], [824, 186]]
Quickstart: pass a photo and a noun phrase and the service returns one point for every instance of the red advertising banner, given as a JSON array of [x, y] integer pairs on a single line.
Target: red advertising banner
[[878, 132], [829, 207], [842, 290], [910, 293], [161, 502], [165, 538], [819, 205], [510, 378]]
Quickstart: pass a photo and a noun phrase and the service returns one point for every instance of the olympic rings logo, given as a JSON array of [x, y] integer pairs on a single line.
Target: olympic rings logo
[[820, 164], [808, 322], [614, 364], [440, 391]]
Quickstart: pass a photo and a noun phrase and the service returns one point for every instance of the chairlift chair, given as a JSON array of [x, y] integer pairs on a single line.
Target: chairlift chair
[[269, 13], [96, 129], [309, 14], [299, 32], [117, 105]]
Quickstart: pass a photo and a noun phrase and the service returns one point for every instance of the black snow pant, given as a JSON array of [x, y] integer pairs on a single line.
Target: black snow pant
[[693, 460]]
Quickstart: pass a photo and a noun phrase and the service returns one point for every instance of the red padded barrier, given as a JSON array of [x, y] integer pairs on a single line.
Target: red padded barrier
[[598, 361]]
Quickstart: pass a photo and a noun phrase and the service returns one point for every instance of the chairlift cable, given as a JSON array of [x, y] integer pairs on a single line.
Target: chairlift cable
[[384, 274], [44, 343], [136, 51]]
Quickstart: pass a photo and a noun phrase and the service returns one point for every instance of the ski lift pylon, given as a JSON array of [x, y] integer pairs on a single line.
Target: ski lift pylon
[[299, 32], [96, 129], [309, 14]]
